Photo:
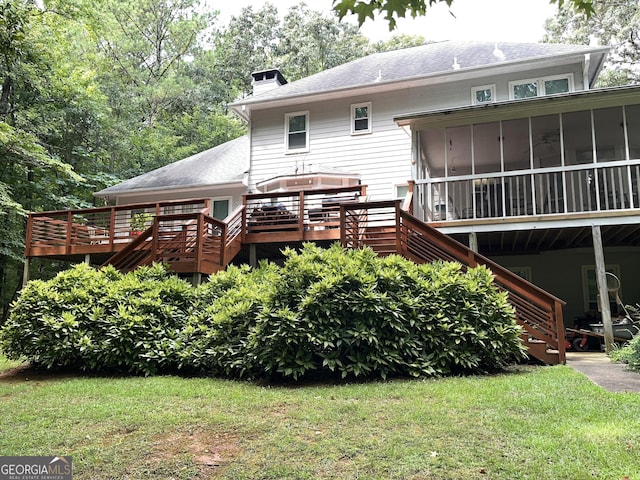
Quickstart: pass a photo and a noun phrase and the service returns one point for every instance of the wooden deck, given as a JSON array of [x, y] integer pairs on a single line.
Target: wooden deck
[[184, 236], [182, 233]]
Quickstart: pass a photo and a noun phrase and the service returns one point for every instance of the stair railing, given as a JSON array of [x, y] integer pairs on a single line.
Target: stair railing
[[539, 312]]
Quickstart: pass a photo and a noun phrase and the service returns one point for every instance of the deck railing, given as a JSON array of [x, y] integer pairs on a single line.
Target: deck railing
[[297, 216], [188, 242], [96, 230], [572, 189], [233, 235], [374, 224]]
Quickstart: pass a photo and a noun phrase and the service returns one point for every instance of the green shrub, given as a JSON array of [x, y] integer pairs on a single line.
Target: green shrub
[[351, 312], [335, 311], [629, 354], [214, 340], [100, 320]]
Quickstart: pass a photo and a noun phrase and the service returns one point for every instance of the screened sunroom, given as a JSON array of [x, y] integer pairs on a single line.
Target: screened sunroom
[[570, 155]]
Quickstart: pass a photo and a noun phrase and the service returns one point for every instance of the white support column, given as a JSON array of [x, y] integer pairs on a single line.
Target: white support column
[[473, 241], [87, 259], [601, 278]]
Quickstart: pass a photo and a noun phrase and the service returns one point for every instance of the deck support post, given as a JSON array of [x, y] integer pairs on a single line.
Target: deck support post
[[87, 259], [601, 278], [253, 260], [196, 279], [25, 271], [473, 241]]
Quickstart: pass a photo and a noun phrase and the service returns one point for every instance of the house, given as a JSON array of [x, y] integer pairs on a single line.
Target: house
[[504, 147], [510, 149]]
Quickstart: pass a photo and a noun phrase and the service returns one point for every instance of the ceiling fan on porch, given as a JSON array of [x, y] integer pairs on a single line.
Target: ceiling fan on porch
[[545, 144]]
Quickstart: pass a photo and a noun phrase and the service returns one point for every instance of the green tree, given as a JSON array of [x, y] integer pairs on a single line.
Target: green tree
[[33, 106], [311, 42], [248, 43], [613, 23], [394, 9], [145, 51], [398, 42]]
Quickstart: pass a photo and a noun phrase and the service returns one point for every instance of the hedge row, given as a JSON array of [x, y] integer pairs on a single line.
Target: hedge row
[[324, 311]]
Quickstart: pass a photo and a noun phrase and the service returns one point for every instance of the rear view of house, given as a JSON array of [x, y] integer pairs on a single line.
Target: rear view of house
[[504, 147]]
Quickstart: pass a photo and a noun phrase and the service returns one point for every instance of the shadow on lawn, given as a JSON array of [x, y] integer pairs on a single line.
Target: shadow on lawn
[[29, 372]]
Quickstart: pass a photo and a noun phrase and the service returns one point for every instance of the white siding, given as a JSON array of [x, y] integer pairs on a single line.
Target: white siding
[[382, 158], [379, 157]]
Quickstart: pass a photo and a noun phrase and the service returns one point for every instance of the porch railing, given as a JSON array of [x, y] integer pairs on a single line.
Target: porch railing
[[572, 189], [188, 242]]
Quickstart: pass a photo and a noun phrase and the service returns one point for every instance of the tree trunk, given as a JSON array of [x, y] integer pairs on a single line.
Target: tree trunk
[[5, 96]]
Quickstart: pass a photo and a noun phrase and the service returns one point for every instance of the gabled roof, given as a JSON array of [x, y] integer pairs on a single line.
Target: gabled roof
[[431, 60], [221, 165]]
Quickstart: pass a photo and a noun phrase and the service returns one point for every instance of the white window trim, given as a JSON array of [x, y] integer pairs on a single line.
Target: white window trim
[[287, 150], [540, 83], [353, 118], [474, 100], [397, 185]]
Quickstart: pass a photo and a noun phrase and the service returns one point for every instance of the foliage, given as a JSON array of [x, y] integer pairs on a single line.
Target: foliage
[[346, 312], [359, 315], [398, 42], [140, 221], [310, 43], [629, 354], [394, 9], [100, 320], [304, 42], [614, 24], [215, 339]]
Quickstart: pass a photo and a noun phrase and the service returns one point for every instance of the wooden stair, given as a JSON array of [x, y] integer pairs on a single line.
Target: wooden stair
[[397, 231], [540, 350]]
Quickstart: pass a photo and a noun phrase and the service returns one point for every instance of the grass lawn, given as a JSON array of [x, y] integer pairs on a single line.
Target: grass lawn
[[534, 423]]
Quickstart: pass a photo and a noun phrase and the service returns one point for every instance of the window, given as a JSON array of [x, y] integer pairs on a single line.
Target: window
[[220, 208], [534, 87], [360, 118], [483, 94], [401, 191], [297, 132], [590, 288]]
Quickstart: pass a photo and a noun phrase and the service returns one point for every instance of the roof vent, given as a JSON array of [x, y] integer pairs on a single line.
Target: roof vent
[[499, 54], [266, 80], [456, 65]]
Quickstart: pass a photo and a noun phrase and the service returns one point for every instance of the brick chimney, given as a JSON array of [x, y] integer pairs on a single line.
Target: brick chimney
[[266, 80]]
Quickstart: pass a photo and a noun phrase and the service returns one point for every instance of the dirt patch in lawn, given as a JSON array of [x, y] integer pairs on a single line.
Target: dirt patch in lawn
[[28, 373], [16, 373], [211, 451]]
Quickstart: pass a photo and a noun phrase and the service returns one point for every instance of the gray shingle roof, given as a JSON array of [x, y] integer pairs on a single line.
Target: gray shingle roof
[[223, 164], [417, 62]]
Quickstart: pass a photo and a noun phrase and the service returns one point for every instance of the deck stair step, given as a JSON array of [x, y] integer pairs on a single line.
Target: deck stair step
[[540, 350]]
